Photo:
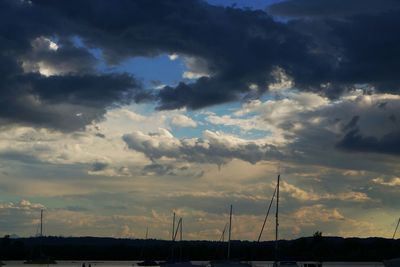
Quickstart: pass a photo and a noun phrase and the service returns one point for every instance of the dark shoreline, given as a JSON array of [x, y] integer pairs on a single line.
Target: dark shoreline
[[99, 248]]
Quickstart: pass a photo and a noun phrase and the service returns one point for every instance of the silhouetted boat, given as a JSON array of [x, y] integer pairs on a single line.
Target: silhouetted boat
[[286, 263], [279, 262], [228, 262], [298, 264], [42, 260], [179, 263], [147, 263], [311, 264], [392, 263]]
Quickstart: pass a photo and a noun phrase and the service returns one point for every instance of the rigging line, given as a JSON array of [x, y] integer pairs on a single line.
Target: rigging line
[[229, 235], [173, 227], [222, 238], [395, 231], [277, 220], [179, 225], [266, 216]]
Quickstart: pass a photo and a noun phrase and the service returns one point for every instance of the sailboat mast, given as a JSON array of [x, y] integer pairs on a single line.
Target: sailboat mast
[[173, 227], [180, 229], [180, 243], [395, 231], [41, 233], [277, 218], [229, 234], [41, 223]]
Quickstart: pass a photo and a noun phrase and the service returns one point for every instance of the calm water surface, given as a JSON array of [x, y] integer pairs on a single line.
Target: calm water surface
[[130, 263]]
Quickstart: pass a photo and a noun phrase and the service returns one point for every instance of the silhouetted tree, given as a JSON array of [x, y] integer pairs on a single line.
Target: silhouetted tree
[[317, 235]]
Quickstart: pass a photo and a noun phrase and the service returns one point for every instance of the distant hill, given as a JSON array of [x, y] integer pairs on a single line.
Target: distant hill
[[97, 248]]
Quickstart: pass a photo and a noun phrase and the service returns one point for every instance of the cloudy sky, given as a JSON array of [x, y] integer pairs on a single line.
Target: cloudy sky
[[114, 114]]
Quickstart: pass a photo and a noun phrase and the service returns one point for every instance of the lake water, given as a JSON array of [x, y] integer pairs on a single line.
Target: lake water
[[130, 263]]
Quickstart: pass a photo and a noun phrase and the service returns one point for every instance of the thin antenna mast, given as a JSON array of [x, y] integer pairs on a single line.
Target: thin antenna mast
[[41, 233], [173, 227], [229, 234], [180, 243], [277, 215], [41, 222], [395, 231], [147, 231]]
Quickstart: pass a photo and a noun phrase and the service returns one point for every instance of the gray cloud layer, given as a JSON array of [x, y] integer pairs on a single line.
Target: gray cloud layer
[[324, 8], [215, 148], [237, 47]]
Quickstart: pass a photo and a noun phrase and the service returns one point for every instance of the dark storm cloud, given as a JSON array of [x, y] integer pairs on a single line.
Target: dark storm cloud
[[355, 141], [64, 59], [243, 47], [67, 102], [240, 47], [237, 48], [370, 50], [324, 8], [73, 96]]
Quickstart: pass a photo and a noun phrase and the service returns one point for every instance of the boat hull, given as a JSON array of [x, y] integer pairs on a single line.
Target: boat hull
[[229, 264], [392, 263]]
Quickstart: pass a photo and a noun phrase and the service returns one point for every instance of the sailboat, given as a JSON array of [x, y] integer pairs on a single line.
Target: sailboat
[[393, 262], [277, 261], [179, 263], [146, 262], [228, 262], [42, 258]]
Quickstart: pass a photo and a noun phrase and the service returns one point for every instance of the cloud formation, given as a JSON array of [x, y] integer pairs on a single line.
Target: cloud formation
[[326, 8], [47, 80], [181, 120], [330, 71], [215, 147], [230, 53]]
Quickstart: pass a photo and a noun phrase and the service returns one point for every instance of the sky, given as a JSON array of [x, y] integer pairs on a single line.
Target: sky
[[115, 114]]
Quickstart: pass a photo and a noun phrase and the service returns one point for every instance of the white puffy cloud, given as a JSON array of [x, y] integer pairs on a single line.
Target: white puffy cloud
[[304, 195], [316, 213], [282, 80], [395, 181], [181, 120], [23, 205], [173, 56]]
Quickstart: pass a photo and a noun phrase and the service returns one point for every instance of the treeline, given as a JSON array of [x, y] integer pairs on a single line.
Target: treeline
[[94, 248]]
